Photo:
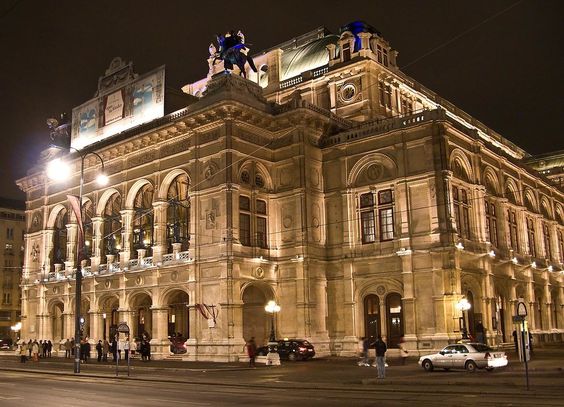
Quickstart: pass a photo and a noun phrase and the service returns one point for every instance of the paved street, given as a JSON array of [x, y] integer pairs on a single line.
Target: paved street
[[321, 382]]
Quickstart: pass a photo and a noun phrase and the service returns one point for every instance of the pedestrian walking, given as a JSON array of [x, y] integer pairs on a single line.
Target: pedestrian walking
[[105, 350], [30, 347], [35, 351], [515, 341], [73, 347], [380, 347], [49, 348], [23, 352], [365, 347], [67, 345], [251, 347], [114, 349], [126, 347], [99, 349], [404, 353]]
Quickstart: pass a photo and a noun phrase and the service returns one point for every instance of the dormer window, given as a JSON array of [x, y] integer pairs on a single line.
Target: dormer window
[[346, 51]]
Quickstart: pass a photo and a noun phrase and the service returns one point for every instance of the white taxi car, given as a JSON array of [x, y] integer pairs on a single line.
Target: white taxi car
[[469, 356]]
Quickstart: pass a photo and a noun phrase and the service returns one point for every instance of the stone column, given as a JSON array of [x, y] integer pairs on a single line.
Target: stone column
[[159, 247], [408, 300], [160, 345], [126, 237], [97, 242], [72, 234]]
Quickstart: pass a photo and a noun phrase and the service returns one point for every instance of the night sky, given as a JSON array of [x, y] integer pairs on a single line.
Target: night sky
[[506, 72]]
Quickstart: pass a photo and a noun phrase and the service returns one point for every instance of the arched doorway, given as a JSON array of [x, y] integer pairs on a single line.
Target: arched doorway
[[178, 315], [372, 317], [57, 322], [110, 317], [394, 317], [255, 320], [142, 323]]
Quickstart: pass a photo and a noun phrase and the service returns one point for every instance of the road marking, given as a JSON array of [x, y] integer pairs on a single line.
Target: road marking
[[11, 398], [194, 403]]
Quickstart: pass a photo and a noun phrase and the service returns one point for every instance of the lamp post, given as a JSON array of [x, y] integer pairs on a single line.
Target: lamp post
[[58, 170], [16, 328], [272, 308], [463, 305]]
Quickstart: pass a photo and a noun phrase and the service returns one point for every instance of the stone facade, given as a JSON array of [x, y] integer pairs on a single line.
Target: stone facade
[[330, 182]]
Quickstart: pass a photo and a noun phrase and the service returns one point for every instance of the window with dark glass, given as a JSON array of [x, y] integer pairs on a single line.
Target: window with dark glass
[[60, 238], [546, 238], [252, 221], [461, 211], [379, 54], [513, 240], [143, 220], [178, 214], [111, 242], [346, 51], [245, 220], [491, 223], [561, 245], [531, 237], [368, 220]]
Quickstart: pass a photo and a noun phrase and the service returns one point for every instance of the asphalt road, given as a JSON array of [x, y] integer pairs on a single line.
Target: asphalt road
[[319, 382], [27, 389]]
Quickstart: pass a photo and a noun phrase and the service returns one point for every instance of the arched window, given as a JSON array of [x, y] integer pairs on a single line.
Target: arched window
[[111, 244], [87, 225], [143, 220], [178, 214], [60, 237], [371, 316]]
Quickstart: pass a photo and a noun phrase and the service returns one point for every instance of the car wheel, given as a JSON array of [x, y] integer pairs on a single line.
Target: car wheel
[[471, 366], [292, 357], [427, 365]]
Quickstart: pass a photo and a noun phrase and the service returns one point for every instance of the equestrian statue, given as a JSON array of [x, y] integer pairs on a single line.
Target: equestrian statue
[[232, 50]]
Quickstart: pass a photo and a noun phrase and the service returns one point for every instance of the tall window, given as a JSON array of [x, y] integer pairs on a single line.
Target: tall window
[[143, 220], [491, 223], [10, 233], [385, 95], [60, 238], [461, 211], [531, 237], [87, 225], [7, 299], [546, 238], [513, 240], [253, 219], [384, 209], [111, 244], [178, 214], [346, 51]]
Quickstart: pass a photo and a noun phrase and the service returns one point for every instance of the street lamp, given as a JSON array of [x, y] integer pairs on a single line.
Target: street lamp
[[16, 328], [272, 308], [59, 170], [463, 305]]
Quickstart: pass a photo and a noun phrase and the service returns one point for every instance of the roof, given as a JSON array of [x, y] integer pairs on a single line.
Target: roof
[[307, 57]]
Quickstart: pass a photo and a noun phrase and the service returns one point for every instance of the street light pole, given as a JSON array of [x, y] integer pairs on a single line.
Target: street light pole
[[272, 308], [463, 305], [57, 172]]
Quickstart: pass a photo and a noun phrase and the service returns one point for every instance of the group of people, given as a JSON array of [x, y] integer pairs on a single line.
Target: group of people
[[35, 350], [380, 348]]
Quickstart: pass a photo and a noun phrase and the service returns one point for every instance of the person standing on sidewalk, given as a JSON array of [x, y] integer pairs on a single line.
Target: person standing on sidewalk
[[380, 347], [105, 350], [35, 351], [251, 351], [365, 343], [23, 352], [99, 351], [49, 348], [67, 346]]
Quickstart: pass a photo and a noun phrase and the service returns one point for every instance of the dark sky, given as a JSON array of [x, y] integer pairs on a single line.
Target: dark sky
[[506, 72]]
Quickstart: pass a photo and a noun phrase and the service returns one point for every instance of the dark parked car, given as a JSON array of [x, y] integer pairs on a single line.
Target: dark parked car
[[290, 349]]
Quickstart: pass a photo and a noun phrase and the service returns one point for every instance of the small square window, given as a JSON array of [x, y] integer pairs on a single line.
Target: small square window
[[366, 200], [244, 203], [385, 197], [261, 207]]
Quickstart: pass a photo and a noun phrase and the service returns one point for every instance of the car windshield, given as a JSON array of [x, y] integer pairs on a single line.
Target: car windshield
[[481, 348]]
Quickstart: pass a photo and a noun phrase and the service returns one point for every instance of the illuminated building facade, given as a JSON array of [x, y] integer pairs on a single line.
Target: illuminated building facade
[[329, 181], [12, 227]]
